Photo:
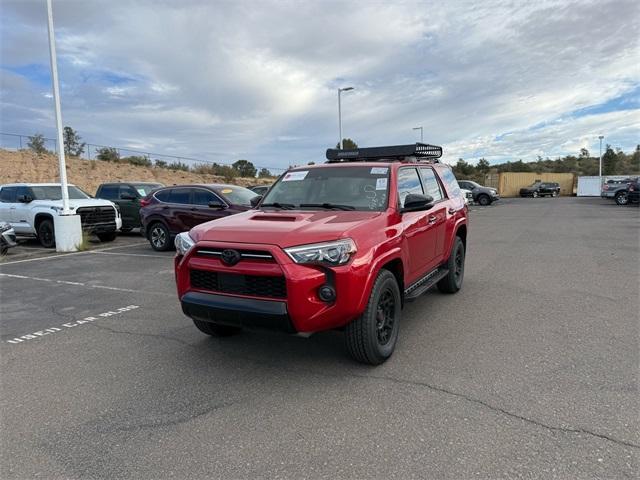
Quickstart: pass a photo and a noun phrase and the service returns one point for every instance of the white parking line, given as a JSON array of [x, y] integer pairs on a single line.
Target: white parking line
[[62, 255], [47, 331], [131, 254], [79, 284]]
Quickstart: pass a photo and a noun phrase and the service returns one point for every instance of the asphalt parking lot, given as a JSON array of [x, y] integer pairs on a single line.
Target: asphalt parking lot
[[530, 371]]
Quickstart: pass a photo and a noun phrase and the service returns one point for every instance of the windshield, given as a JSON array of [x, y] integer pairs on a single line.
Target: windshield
[[236, 195], [54, 192], [145, 189], [535, 184], [353, 188]]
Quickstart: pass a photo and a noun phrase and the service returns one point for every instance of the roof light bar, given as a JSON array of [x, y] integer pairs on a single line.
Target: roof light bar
[[418, 151]]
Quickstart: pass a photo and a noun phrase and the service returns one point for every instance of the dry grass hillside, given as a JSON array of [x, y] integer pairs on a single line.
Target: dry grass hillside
[[26, 166]]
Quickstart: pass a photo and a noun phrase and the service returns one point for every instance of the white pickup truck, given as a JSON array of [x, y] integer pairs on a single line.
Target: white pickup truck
[[30, 207]]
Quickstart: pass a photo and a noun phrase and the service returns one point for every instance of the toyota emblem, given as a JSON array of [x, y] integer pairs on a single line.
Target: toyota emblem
[[230, 257]]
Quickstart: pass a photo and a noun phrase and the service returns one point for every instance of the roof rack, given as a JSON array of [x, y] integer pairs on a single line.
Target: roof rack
[[419, 151]]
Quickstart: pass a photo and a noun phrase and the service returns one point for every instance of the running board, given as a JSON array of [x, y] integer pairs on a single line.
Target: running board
[[424, 284]]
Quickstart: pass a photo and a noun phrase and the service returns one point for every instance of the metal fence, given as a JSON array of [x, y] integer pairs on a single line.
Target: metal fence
[[14, 141]]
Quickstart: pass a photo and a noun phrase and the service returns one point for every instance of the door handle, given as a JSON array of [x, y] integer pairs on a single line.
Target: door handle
[[432, 219]]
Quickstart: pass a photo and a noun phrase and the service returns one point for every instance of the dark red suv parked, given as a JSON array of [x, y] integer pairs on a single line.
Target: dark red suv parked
[[336, 246], [171, 210]]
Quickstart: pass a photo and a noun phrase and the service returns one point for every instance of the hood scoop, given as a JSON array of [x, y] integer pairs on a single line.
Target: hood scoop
[[274, 218]]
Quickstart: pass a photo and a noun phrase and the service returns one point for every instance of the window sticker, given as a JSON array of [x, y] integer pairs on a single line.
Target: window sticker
[[295, 176], [141, 192], [379, 170], [381, 184], [227, 190]]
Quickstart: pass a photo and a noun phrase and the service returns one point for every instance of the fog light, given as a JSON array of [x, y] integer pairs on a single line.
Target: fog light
[[327, 293]]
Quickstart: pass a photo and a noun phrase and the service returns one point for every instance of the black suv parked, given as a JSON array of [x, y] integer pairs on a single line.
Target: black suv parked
[[481, 195], [541, 189], [127, 196]]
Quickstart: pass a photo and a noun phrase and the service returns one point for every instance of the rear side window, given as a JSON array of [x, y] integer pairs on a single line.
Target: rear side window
[[408, 182], [450, 181], [110, 192], [431, 184], [126, 190], [163, 195], [8, 195], [180, 195]]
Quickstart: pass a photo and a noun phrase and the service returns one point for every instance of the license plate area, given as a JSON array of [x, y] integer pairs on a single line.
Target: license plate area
[[232, 283]]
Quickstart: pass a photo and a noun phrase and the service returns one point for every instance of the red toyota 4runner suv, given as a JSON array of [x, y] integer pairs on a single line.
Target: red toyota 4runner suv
[[342, 245]]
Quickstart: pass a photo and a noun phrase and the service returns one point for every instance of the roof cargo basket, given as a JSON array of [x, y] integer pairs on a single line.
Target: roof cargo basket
[[418, 151]]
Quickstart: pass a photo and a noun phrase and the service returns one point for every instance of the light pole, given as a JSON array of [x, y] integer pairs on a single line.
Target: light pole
[[600, 163], [67, 227], [340, 90], [421, 138]]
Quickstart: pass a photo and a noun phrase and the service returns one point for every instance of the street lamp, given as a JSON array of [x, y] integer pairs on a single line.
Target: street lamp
[[340, 90], [600, 163], [421, 138]]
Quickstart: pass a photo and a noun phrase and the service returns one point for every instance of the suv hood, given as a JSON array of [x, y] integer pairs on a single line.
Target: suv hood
[[282, 228], [82, 202]]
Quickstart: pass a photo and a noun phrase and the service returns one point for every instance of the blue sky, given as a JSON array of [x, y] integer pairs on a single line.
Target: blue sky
[[257, 80]]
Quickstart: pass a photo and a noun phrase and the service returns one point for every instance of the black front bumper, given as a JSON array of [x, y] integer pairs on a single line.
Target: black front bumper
[[237, 311]]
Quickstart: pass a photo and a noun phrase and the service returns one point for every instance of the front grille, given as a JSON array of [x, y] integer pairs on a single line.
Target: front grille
[[90, 216], [260, 255], [253, 285]]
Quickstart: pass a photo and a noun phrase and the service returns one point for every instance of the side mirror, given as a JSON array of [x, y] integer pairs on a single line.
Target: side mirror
[[128, 196], [216, 205], [415, 202], [255, 200], [25, 198]]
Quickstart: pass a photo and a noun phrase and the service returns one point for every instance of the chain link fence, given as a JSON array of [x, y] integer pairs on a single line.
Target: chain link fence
[[14, 141]]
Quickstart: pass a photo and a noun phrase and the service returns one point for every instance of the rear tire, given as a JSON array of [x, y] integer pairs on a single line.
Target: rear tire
[[371, 338], [46, 234], [622, 198], [216, 330], [484, 200], [107, 236], [455, 264], [159, 237]]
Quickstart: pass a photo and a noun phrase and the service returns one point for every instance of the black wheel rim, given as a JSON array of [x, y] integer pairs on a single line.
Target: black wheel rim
[[46, 233], [622, 198], [458, 265], [385, 316]]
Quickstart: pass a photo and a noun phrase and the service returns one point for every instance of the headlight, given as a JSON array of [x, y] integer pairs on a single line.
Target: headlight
[[183, 243], [329, 253]]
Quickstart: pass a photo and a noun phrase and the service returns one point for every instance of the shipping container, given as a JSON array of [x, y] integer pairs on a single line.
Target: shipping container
[[510, 183]]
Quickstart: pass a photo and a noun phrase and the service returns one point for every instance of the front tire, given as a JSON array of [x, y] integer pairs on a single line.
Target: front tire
[[484, 200], [371, 338], [107, 236], [159, 237], [455, 264], [216, 330], [622, 198], [46, 234]]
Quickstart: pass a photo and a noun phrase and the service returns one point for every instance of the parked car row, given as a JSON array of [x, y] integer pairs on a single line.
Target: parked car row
[[541, 189], [623, 191]]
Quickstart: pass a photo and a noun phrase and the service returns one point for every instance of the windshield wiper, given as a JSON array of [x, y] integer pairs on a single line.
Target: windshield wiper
[[283, 206], [329, 206]]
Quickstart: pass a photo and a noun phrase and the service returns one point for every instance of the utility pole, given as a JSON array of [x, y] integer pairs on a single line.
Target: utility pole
[[600, 163]]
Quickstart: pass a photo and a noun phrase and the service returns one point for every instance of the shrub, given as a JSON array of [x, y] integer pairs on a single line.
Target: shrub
[[139, 160], [36, 143], [160, 163], [108, 154], [178, 166]]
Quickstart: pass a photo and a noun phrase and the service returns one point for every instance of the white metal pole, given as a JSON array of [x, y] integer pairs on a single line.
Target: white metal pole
[[421, 137], [56, 100], [600, 163], [340, 117]]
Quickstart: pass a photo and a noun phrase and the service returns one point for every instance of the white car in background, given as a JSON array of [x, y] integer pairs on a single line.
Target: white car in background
[[468, 196], [31, 207]]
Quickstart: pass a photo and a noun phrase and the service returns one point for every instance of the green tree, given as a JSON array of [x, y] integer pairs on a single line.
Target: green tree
[[264, 173], [245, 168], [36, 143], [72, 144], [609, 161], [108, 154], [463, 168], [347, 144], [483, 165], [160, 163]]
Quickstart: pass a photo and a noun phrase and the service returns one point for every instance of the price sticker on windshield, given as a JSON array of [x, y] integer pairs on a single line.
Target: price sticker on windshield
[[379, 170], [295, 176], [381, 184]]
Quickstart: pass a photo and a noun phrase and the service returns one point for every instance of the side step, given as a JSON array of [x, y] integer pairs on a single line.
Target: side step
[[424, 284]]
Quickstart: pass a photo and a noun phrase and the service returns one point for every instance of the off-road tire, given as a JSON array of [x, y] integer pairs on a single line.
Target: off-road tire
[[159, 237], [484, 200], [622, 198], [107, 236], [455, 264], [46, 233], [371, 338], [216, 330]]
